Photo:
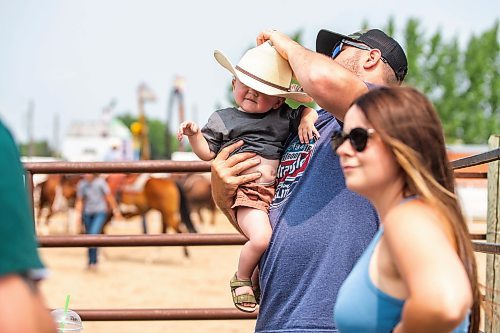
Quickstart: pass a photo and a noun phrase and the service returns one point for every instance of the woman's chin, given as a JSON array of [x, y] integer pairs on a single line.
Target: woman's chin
[[355, 185]]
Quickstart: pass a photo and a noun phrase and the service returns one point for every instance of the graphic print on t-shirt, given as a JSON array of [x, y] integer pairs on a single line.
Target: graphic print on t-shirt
[[292, 165]]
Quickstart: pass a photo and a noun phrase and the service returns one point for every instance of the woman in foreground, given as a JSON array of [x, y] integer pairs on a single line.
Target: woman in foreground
[[419, 272]]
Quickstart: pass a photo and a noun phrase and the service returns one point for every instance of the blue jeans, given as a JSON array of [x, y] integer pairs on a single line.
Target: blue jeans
[[93, 225]]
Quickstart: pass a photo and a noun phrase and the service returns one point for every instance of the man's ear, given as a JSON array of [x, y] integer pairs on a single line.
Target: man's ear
[[374, 56], [233, 82], [279, 103]]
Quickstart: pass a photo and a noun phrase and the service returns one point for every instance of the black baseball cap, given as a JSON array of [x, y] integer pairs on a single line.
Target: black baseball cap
[[374, 38]]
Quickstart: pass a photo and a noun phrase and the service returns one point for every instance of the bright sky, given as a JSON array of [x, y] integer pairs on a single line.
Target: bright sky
[[72, 57]]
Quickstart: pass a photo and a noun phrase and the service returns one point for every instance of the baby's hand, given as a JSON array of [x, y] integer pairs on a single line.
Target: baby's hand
[[187, 128], [296, 87], [307, 132]]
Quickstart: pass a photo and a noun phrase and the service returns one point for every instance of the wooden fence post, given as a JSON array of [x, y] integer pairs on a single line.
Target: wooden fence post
[[492, 320]]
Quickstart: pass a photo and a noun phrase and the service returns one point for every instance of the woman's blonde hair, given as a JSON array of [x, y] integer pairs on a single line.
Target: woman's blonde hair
[[408, 123]]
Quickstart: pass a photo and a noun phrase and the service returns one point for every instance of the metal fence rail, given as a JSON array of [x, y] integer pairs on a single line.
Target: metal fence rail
[[164, 314], [489, 156], [141, 240], [117, 167], [183, 239]]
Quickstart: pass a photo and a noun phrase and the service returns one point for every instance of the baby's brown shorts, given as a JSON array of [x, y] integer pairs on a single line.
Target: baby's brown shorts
[[255, 195]]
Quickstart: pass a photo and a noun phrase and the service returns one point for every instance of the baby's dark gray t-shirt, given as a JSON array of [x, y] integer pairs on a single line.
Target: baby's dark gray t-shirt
[[263, 133]]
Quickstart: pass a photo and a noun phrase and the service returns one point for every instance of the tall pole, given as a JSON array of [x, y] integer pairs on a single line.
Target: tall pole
[[177, 93], [55, 138], [179, 90], [144, 94], [167, 139], [145, 152], [31, 109]]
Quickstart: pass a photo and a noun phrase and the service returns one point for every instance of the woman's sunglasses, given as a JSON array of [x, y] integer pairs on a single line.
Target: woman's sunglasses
[[358, 137]]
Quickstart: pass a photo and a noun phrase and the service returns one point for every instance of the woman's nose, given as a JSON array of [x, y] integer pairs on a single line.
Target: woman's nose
[[344, 149]]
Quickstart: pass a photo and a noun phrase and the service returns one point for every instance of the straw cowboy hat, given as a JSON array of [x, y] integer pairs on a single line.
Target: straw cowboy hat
[[264, 70]]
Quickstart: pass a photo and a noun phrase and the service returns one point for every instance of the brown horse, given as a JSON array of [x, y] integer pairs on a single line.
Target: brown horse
[[54, 188], [162, 194], [198, 189]]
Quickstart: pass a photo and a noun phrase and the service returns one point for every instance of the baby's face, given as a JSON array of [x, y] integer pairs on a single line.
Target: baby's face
[[252, 101]]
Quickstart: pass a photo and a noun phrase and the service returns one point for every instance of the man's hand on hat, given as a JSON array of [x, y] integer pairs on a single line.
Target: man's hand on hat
[[278, 39], [296, 87], [187, 128]]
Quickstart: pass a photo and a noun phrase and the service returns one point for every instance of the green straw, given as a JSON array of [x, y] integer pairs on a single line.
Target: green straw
[[65, 311]]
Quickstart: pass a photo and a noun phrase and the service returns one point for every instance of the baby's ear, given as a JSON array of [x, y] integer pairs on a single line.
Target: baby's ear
[[279, 102]]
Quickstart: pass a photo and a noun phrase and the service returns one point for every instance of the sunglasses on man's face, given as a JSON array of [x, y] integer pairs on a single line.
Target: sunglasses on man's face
[[339, 46], [358, 137]]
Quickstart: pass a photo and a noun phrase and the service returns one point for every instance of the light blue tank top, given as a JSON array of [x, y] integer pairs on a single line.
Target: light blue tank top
[[362, 307]]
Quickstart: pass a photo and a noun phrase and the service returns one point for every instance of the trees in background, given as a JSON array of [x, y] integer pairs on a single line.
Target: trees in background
[[38, 148], [156, 134], [462, 81]]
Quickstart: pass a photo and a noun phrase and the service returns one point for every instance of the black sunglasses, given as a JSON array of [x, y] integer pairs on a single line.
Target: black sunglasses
[[358, 137], [339, 46]]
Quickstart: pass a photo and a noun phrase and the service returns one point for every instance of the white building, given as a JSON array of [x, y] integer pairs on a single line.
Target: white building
[[94, 141]]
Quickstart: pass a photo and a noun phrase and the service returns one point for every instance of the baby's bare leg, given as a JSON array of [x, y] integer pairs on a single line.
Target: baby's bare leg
[[256, 226]]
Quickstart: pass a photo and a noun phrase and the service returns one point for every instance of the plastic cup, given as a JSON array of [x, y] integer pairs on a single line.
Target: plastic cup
[[67, 321]]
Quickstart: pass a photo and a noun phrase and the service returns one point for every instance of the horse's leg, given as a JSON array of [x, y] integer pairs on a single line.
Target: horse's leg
[[179, 231], [200, 216], [44, 227], [214, 215], [184, 209], [144, 224], [213, 211], [43, 219], [39, 215], [171, 219]]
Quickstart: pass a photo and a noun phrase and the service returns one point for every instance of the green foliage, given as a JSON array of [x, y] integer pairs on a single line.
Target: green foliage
[[156, 135], [462, 83], [156, 138], [127, 119], [38, 148]]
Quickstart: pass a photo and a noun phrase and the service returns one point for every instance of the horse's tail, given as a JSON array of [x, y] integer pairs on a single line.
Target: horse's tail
[[184, 209]]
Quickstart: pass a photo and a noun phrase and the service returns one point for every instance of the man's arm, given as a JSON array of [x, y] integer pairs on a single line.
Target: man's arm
[[226, 177], [331, 86], [79, 211], [22, 308], [113, 205]]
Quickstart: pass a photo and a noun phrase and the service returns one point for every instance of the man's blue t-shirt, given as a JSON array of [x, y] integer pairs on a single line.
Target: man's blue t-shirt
[[320, 229]]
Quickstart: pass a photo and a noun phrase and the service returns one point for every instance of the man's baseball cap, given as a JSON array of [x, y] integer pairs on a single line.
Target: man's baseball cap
[[374, 38]]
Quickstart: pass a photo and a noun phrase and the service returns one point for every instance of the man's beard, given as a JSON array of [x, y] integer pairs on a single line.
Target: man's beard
[[352, 64]]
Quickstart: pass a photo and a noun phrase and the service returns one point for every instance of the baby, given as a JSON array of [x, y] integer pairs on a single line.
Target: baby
[[261, 83]]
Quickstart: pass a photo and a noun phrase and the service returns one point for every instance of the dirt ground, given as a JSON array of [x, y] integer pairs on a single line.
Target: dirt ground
[[145, 277], [151, 277]]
